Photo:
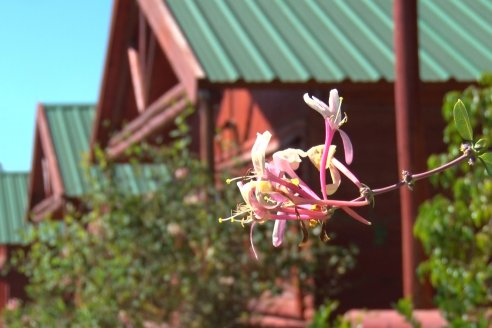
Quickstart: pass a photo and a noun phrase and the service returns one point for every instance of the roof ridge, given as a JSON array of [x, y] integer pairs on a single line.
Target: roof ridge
[[63, 105], [14, 172]]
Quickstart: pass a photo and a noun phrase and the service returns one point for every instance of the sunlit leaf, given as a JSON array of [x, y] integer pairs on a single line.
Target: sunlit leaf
[[462, 121], [487, 161]]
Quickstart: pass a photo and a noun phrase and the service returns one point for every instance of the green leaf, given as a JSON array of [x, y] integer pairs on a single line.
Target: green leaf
[[462, 121], [487, 161], [481, 145]]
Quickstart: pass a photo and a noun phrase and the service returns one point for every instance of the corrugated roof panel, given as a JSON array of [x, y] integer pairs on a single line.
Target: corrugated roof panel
[[13, 205], [215, 60], [253, 19], [454, 41], [331, 40], [238, 43], [71, 127]]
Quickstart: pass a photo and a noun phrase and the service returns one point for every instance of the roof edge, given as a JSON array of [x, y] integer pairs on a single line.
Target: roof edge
[[49, 150], [174, 44]]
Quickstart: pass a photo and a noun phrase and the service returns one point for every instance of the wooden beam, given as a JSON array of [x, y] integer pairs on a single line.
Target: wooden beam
[[49, 152], [46, 207], [158, 121], [142, 40], [149, 66], [154, 109], [173, 44], [244, 155], [137, 78]]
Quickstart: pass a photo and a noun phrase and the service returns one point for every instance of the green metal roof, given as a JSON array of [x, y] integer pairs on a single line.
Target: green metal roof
[[13, 204], [331, 40], [71, 127]]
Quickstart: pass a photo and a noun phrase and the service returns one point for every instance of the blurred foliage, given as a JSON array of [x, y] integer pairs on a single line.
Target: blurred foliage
[[405, 308], [125, 259], [456, 227], [324, 317]]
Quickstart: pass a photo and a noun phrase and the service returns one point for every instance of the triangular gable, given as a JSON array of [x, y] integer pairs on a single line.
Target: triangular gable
[[46, 187], [146, 63], [61, 146]]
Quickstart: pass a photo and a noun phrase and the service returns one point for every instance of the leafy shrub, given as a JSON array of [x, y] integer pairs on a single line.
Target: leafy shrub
[[456, 228], [126, 258]]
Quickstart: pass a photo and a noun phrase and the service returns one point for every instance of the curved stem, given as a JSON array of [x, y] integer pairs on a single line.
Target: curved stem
[[418, 176], [441, 168]]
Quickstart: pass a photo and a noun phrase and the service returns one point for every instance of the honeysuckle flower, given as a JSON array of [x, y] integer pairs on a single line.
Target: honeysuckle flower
[[274, 191], [332, 113]]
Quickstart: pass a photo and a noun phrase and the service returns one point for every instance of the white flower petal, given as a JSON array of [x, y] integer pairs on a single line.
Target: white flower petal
[[315, 153], [336, 181], [245, 189], [334, 101], [258, 152], [289, 157], [317, 105], [278, 232]]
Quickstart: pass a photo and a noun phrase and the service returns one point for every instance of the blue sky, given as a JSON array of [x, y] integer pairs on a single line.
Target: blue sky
[[51, 51]]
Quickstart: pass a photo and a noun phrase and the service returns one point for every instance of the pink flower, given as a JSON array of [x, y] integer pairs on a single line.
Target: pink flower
[[274, 191], [332, 114]]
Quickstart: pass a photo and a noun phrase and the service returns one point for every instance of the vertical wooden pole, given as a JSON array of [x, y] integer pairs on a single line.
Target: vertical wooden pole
[[410, 138], [207, 129]]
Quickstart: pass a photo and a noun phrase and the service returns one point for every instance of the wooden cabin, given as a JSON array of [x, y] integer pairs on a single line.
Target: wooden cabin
[[245, 65], [13, 202], [61, 138], [60, 164]]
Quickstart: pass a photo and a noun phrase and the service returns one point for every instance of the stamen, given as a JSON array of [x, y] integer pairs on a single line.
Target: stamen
[[246, 177], [296, 182], [241, 210]]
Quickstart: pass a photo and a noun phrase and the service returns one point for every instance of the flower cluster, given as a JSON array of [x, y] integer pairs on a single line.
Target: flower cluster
[[274, 191]]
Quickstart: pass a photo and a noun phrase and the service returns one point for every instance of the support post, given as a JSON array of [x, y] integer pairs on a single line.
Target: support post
[[207, 129], [410, 140]]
